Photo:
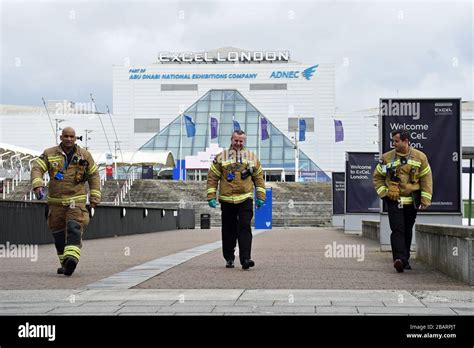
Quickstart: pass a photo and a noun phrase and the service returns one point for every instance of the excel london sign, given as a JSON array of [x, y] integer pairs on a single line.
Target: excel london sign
[[231, 56]]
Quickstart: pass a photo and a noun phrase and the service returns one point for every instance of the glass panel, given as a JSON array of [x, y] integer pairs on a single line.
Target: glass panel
[[200, 142], [304, 165], [229, 95], [203, 106], [224, 141], [192, 109], [148, 144], [216, 95], [160, 141], [264, 153], [239, 96], [251, 141], [276, 163], [186, 151], [201, 129], [201, 117], [251, 129], [240, 117], [252, 117], [240, 106], [191, 113], [215, 106], [174, 128], [226, 117], [277, 153], [251, 108], [228, 107], [286, 141], [289, 154], [187, 142], [277, 140]]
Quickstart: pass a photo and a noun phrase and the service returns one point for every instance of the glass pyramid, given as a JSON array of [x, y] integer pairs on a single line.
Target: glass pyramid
[[275, 152]]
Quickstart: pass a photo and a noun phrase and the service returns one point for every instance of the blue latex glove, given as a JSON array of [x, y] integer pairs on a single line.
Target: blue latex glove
[[212, 203], [260, 203], [39, 193]]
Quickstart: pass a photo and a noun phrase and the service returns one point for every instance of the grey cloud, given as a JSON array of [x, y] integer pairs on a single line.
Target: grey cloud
[[389, 46]]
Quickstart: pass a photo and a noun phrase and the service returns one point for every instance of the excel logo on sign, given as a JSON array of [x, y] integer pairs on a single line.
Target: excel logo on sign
[[443, 109]]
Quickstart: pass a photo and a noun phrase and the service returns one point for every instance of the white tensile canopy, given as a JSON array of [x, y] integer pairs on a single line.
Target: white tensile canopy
[[129, 158]]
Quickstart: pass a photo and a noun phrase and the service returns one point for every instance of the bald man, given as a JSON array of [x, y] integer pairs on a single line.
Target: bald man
[[69, 167]]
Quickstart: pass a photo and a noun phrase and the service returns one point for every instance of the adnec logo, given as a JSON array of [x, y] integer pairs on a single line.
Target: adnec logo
[[294, 74]]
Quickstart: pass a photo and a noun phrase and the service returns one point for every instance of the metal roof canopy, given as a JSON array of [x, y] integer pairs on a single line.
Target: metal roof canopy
[[18, 150]]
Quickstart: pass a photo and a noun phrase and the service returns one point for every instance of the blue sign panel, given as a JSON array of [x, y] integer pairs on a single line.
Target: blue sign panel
[[263, 215], [180, 164]]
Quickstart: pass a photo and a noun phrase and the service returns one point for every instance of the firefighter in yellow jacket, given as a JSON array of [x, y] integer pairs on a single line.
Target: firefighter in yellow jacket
[[69, 168], [403, 179], [238, 171]]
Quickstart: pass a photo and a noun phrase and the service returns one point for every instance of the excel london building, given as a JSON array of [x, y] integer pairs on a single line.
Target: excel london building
[[285, 107]]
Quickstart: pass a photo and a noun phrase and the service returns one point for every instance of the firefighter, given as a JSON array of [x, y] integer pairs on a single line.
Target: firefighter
[[403, 179], [69, 168], [238, 171]]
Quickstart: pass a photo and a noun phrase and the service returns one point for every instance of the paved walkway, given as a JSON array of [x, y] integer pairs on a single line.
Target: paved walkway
[[182, 273]]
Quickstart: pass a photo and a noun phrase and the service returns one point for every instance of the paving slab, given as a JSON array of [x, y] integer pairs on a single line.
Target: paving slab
[[298, 258], [100, 258]]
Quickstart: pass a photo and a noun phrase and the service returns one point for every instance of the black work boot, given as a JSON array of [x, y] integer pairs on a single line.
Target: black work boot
[[398, 264], [247, 264], [229, 264], [70, 264]]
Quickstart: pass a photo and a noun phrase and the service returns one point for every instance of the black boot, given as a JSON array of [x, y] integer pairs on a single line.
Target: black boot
[[70, 264], [247, 264]]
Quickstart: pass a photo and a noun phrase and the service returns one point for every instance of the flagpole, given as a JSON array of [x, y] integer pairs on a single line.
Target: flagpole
[[296, 149], [258, 136], [210, 130], [180, 146]]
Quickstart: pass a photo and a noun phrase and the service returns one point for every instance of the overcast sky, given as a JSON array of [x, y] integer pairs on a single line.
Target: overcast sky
[[66, 49]]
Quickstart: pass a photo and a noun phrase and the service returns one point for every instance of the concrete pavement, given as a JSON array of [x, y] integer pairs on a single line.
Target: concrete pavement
[[299, 271]]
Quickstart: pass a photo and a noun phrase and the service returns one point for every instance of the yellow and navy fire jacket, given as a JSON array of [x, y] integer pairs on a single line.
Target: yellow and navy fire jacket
[[71, 188], [412, 169], [238, 173]]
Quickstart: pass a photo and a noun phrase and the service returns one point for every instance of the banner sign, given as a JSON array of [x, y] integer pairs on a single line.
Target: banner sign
[[338, 190], [360, 193], [435, 129]]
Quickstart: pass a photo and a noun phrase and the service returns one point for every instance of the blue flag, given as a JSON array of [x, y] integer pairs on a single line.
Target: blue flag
[[302, 129], [264, 126], [236, 125], [190, 126], [214, 125], [339, 130]]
